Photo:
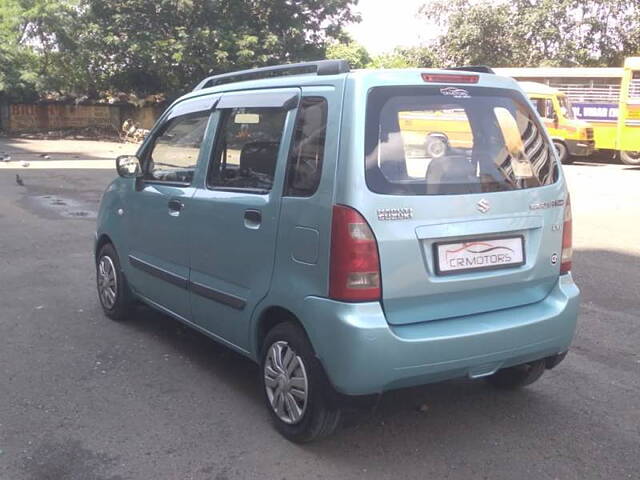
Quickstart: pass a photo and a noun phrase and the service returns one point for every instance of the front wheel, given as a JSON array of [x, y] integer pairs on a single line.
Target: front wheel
[[630, 158], [518, 376], [295, 387], [113, 291]]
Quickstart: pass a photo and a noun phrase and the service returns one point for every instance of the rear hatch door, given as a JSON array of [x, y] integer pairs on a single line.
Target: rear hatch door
[[466, 200]]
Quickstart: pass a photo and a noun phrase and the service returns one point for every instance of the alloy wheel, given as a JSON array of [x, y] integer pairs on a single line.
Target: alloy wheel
[[286, 382], [107, 282]]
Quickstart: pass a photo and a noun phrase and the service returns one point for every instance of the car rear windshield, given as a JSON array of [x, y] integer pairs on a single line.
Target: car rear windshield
[[438, 140]]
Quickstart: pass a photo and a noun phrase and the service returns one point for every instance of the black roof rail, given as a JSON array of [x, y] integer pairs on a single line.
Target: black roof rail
[[473, 68], [319, 67]]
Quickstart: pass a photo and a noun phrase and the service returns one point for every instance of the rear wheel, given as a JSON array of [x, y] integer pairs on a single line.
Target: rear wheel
[[517, 376], [295, 387], [630, 158], [113, 291], [563, 152]]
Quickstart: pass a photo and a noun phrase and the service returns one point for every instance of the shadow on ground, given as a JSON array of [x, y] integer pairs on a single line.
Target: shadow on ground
[[446, 412]]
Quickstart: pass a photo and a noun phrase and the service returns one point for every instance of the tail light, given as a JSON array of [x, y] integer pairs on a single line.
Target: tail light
[[567, 246], [355, 265]]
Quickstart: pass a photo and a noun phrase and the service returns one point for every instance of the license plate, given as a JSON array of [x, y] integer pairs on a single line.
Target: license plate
[[481, 254]]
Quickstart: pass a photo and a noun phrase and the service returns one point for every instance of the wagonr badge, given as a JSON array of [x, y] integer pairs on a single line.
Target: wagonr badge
[[544, 205]]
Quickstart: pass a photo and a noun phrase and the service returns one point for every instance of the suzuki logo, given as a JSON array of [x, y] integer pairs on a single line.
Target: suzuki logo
[[483, 206]]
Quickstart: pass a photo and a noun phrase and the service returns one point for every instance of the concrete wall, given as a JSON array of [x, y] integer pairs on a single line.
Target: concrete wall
[[43, 117]]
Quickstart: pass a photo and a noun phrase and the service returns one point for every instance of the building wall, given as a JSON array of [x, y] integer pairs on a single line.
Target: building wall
[[43, 117]]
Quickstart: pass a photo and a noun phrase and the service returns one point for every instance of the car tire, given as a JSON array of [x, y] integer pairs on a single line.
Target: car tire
[[113, 291], [563, 152], [296, 390], [436, 145], [517, 376], [630, 158]]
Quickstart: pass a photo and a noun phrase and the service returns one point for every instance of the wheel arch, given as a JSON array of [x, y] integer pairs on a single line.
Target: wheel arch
[[269, 318], [101, 242]]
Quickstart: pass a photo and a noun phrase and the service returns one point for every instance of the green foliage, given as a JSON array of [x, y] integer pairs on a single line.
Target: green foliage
[[17, 62], [85, 47], [352, 51], [401, 57], [476, 33], [536, 32], [151, 46], [424, 57]]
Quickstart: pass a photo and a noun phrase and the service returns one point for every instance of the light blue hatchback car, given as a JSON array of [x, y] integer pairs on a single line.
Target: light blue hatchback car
[[352, 232]]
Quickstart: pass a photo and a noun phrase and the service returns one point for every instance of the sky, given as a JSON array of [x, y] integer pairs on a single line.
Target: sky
[[390, 23]]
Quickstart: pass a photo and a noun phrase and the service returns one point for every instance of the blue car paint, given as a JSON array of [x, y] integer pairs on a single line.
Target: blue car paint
[[423, 331]]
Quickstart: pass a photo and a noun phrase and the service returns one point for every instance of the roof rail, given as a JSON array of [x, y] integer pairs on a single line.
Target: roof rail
[[473, 68], [319, 67]]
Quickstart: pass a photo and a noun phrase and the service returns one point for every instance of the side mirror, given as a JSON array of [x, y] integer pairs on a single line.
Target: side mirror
[[128, 166]]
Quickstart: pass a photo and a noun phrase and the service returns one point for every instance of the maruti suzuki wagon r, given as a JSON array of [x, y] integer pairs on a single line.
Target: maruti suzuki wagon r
[[352, 232]]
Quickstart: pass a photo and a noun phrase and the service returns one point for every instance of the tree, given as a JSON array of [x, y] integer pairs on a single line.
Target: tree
[[351, 51], [536, 32], [419, 56], [151, 46], [155, 46], [18, 64], [401, 57], [475, 33]]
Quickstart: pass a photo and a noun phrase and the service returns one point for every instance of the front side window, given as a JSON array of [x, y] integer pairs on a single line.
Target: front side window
[[307, 149], [444, 140], [175, 151], [247, 149]]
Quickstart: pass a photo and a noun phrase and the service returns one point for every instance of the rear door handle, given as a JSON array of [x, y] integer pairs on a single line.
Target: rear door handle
[[252, 219], [175, 206]]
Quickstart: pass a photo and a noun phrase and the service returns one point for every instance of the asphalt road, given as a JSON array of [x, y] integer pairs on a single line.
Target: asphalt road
[[84, 398]]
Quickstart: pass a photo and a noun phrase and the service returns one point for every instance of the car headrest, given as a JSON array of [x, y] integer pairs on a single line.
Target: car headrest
[[259, 156]]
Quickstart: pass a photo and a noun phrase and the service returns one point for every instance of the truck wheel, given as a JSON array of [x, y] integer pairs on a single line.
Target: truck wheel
[[630, 158], [295, 386], [113, 292], [517, 376], [563, 152]]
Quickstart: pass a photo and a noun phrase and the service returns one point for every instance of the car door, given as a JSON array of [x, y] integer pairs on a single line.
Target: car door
[[235, 213], [158, 217]]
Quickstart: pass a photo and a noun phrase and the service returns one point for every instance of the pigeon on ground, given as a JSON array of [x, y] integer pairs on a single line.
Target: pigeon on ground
[[24, 163], [6, 158], [19, 180], [45, 156]]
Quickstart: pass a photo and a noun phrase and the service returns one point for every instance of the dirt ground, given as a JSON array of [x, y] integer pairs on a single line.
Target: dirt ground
[[24, 149]]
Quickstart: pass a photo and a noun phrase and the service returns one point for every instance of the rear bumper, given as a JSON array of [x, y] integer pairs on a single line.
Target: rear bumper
[[362, 354], [580, 148]]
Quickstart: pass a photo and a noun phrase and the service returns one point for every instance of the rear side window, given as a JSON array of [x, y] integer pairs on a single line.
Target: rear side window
[[247, 149], [175, 152], [449, 140], [307, 148]]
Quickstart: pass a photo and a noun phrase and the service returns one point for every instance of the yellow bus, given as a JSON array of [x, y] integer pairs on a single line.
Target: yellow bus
[[608, 98], [571, 136]]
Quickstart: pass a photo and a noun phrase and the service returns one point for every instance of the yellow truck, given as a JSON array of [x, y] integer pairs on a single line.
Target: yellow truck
[[572, 137], [608, 98]]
